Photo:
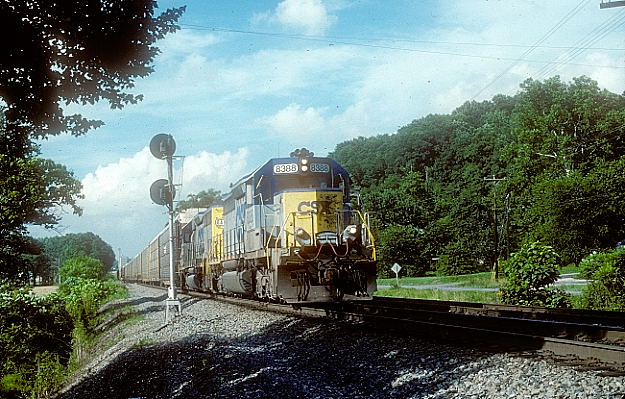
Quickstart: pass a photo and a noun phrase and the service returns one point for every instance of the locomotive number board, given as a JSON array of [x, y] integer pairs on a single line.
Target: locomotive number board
[[320, 167], [284, 168]]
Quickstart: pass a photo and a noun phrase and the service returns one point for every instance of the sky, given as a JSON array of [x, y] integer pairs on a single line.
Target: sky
[[245, 81]]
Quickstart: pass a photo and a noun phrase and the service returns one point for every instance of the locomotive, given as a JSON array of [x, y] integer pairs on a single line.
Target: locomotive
[[285, 232]]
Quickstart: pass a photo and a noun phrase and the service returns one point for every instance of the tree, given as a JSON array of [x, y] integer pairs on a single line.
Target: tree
[[30, 191], [563, 166], [559, 146], [61, 52], [404, 245], [203, 199], [73, 52], [59, 249]]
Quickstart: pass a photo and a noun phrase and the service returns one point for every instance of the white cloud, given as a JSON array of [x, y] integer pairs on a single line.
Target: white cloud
[[207, 170], [309, 15], [123, 187], [294, 122], [117, 204]]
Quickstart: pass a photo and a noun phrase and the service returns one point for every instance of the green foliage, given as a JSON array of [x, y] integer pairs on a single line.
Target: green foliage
[[403, 245], [59, 249], [593, 262], [48, 377], [83, 298], [81, 267], [567, 159], [30, 190], [35, 335], [203, 199], [458, 259], [528, 274], [103, 49], [557, 144], [607, 291], [38, 334], [84, 289]]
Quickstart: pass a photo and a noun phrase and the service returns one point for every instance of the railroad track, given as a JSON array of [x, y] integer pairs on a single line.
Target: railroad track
[[589, 336], [593, 338]]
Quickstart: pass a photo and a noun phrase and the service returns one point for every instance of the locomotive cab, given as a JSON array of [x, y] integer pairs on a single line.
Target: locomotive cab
[[291, 234]]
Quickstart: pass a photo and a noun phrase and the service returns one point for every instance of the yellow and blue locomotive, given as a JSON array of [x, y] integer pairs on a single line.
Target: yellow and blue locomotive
[[285, 232]]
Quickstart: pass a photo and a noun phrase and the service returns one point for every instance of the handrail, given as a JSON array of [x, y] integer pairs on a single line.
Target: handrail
[[366, 224]]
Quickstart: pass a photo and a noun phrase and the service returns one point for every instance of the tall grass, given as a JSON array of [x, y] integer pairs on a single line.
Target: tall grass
[[441, 295], [478, 280]]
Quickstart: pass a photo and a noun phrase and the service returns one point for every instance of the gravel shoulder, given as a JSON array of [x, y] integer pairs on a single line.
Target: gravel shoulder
[[219, 350]]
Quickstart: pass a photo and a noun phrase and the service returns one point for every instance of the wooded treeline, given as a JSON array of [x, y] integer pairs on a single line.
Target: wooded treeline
[[545, 164]]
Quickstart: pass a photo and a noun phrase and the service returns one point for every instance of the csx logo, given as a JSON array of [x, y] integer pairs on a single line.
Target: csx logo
[[314, 207]]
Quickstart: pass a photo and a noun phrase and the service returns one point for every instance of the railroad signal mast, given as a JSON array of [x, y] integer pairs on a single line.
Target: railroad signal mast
[[162, 192]]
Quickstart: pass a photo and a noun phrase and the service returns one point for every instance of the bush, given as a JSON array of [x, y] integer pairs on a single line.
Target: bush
[[528, 274], [35, 335], [403, 245], [82, 266], [607, 291], [593, 262], [457, 260], [83, 298]]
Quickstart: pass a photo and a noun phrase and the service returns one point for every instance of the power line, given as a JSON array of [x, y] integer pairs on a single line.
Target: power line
[[332, 39], [599, 32], [544, 37], [379, 46]]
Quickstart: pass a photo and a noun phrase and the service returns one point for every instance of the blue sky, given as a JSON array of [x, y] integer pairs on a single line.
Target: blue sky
[[244, 81]]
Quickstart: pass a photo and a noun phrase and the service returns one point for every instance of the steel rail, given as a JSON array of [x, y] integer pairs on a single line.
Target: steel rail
[[496, 326]]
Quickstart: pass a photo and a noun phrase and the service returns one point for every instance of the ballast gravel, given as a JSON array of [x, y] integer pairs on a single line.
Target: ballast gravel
[[219, 350]]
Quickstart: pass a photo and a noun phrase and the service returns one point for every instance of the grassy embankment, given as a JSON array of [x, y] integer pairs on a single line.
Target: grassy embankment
[[478, 287]]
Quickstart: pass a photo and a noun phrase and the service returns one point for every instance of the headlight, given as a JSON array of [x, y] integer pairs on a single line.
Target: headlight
[[302, 236], [304, 164], [351, 233]]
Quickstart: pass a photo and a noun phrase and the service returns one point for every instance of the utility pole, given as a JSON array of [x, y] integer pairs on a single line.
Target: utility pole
[[611, 4], [495, 180]]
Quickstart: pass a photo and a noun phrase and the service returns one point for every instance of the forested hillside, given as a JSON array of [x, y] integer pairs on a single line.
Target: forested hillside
[[546, 164]]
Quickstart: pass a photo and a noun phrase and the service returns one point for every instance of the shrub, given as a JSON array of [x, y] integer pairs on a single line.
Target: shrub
[[83, 297], [35, 335], [457, 260], [528, 274], [403, 245], [591, 263], [82, 266], [607, 291]]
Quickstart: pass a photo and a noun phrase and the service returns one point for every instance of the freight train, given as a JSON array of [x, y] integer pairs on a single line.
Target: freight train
[[286, 232]]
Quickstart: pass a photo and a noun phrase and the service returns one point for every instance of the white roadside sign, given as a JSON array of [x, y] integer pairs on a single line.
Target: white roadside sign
[[396, 268]]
